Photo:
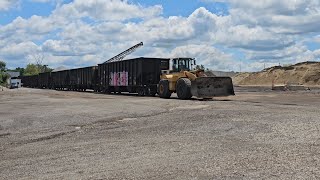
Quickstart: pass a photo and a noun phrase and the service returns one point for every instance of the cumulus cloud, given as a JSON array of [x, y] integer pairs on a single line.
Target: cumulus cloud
[[42, 1], [316, 54], [272, 30], [257, 38], [275, 55], [20, 30], [16, 53], [316, 39], [207, 55], [286, 16], [87, 32], [106, 10], [19, 50], [7, 4]]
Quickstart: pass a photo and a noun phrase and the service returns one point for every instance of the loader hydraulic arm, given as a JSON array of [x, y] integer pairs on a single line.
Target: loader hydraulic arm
[[190, 75]]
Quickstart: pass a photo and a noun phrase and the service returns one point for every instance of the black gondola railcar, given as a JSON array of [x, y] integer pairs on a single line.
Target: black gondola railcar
[[139, 75], [83, 78], [30, 81], [59, 80], [45, 80]]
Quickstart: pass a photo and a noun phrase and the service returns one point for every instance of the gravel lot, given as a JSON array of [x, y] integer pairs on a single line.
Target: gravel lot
[[257, 134]]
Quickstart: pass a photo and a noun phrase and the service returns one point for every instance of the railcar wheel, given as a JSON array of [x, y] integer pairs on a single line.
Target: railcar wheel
[[141, 92]]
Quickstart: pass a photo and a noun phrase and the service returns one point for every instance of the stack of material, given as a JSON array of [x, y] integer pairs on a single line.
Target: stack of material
[[306, 73]]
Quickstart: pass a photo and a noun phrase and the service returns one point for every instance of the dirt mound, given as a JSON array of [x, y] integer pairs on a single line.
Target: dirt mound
[[306, 73]]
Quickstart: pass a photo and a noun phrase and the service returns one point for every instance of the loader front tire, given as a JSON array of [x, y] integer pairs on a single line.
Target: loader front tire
[[163, 89], [183, 88]]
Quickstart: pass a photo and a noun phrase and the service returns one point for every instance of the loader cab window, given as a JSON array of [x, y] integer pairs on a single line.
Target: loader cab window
[[175, 65], [182, 65]]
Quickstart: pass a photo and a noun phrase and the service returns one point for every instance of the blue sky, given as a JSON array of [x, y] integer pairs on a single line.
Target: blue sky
[[170, 8], [26, 9], [219, 34], [186, 7]]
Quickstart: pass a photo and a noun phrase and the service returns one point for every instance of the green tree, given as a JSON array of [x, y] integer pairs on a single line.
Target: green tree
[[31, 69], [21, 70], [38, 58], [3, 75], [3, 78], [2, 66], [34, 69], [44, 68]]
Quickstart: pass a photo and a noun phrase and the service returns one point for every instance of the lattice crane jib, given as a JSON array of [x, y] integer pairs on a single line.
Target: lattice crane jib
[[125, 53]]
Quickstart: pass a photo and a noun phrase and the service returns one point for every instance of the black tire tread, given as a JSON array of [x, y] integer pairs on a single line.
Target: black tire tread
[[183, 88], [166, 94]]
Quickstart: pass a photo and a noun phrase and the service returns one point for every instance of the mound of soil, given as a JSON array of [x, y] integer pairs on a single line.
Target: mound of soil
[[306, 73]]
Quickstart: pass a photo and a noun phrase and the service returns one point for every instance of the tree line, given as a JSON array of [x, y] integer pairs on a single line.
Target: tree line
[[29, 70]]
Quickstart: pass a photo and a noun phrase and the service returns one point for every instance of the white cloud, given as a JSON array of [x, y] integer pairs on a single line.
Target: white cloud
[[19, 51], [286, 16], [53, 2], [87, 32], [17, 54], [207, 55], [257, 38], [7, 4], [20, 30], [316, 39], [272, 30], [289, 52], [41, 1], [316, 54], [106, 10]]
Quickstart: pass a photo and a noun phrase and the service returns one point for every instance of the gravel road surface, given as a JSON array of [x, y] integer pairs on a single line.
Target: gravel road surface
[[46, 134]]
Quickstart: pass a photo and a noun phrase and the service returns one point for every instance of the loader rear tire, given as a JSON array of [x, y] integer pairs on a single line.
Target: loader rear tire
[[183, 88], [163, 89]]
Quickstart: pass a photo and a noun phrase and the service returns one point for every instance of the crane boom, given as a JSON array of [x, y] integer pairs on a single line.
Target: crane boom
[[122, 55]]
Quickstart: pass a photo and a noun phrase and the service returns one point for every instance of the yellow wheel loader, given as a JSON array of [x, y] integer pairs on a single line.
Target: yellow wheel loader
[[183, 79]]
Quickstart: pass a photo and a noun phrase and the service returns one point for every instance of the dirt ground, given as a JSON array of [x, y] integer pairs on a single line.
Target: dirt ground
[[257, 134]]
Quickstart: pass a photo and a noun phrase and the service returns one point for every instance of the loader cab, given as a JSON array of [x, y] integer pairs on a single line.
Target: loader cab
[[182, 64]]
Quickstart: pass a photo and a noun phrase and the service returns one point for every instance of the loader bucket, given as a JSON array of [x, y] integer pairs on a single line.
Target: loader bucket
[[208, 87]]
